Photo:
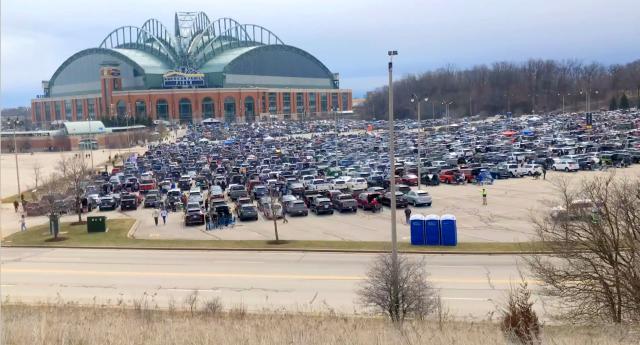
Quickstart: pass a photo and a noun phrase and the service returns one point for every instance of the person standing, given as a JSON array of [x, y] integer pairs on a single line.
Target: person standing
[[284, 217], [544, 172], [407, 214], [163, 214], [15, 205], [155, 215], [484, 196], [23, 223]]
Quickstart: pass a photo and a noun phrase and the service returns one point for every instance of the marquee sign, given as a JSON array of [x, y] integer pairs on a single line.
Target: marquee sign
[[183, 77]]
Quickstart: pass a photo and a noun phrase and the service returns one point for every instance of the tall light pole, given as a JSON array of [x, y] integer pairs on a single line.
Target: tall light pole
[[392, 177], [446, 112], [90, 142], [588, 99], [415, 99], [15, 151]]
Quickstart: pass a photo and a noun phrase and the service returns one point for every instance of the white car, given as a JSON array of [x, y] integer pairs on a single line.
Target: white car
[[339, 184], [306, 179], [319, 185], [357, 183], [418, 197], [515, 170], [532, 169], [566, 165]]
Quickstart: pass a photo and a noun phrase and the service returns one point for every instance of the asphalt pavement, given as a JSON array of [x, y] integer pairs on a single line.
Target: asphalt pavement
[[470, 285]]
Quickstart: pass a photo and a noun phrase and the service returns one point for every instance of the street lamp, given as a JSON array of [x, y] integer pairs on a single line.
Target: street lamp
[[392, 187], [588, 98], [15, 123], [415, 99], [446, 111], [561, 94]]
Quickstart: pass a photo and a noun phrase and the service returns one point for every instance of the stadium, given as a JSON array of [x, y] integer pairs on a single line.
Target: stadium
[[218, 69]]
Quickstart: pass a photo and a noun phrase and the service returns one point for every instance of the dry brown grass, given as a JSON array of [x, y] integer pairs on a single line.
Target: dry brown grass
[[69, 324]]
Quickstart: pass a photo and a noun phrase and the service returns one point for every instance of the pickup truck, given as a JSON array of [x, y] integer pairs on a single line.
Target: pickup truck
[[357, 183], [345, 202], [147, 184], [128, 202], [319, 185]]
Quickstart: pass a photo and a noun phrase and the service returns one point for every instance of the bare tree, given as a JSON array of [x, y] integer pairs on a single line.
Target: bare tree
[[75, 172], [594, 235], [37, 174], [414, 295]]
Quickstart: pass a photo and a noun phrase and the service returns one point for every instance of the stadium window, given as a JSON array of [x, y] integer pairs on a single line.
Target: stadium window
[[207, 108], [249, 109], [286, 100], [38, 112], [121, 108], [91, 108], [312, 103], [334, 102], [186, 115], [79, 109], [162, 109], [58, 112], [141, 108], [323, 102], [47, 111], [273, 105], [299, 102], [229, 109]]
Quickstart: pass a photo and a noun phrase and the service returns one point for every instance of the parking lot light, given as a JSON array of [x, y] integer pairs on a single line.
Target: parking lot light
[[392, 174], [415, 99]]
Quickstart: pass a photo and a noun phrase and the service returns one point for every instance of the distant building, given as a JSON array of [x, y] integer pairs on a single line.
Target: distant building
[[202, 69]]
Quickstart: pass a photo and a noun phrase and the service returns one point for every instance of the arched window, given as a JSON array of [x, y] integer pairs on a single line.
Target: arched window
[[186, 115], [249, 109], [207, 108], [121, 108], [141, 108], [229, 109], [162, 109]]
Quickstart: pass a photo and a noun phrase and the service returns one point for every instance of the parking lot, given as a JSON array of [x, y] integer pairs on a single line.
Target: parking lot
[[274, 163]]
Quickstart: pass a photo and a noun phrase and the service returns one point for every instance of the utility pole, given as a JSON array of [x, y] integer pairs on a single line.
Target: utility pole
[[414, 98], [392, 188], [15, 151]]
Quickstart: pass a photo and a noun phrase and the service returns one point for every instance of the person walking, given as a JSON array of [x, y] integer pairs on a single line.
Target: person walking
[[284, 218], [484, 196], [407, 214], [23, 223], [544, 172], [155, 215], [15, 205], [163, 214]]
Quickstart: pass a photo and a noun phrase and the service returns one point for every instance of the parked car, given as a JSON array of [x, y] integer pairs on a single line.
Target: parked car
[[272, 210], [297, 208], [237, 191], [128, 202], [418, 197], [321, 205], [194, 215], [108, 203], [152, 200], [364, 200], [357, 183], [401, 201], [247, 212], [345, 202], [410, 180], [566, 165]]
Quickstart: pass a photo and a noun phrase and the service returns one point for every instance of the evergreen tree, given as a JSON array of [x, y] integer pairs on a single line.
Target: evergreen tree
[[624, 102], [613, 105]]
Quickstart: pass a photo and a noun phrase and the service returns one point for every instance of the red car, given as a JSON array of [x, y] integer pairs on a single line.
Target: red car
[[410, 180], [451, 176], [364, 200]]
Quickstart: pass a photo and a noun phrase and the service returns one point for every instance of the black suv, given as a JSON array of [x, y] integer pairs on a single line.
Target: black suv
[[321, 205], [128, 202]]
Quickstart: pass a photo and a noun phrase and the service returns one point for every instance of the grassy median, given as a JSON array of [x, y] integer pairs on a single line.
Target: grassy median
[[77, 236]]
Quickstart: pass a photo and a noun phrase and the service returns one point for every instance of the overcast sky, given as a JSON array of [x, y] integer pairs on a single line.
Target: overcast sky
[[350, 36]]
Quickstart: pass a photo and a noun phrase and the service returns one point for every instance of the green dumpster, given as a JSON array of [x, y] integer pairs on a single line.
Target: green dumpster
[[97, 224], [54, 224]]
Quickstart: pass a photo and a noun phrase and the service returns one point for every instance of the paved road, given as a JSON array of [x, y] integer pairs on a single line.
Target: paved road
[[470, 285]]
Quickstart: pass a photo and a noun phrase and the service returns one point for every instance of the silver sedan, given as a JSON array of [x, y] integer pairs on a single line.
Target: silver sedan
[[418, 197]]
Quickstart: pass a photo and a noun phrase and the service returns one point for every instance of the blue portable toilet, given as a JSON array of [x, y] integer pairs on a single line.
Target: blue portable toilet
[[417, 230], [432, 230], [449, 230]]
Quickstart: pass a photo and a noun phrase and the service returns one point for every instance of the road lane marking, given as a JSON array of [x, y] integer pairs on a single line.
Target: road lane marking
[[249, 275]]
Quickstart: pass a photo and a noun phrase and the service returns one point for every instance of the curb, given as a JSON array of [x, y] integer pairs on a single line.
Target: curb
[[132, 231], [284, 250]]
